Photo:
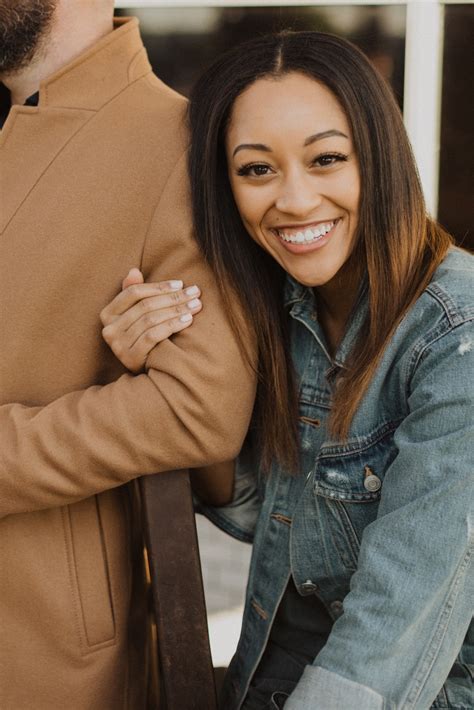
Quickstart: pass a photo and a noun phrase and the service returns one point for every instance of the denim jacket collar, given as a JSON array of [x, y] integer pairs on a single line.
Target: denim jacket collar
[[301, 302]]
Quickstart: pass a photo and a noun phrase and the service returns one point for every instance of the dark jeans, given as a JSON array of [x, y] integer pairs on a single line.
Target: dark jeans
[[263, 696], [277, 674]]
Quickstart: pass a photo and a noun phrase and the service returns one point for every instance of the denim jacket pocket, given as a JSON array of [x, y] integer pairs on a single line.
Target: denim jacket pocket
[[354, 471], [348, 483]]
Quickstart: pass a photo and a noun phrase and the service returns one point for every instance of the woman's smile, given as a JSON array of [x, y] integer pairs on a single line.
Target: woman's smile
[[302, 239]]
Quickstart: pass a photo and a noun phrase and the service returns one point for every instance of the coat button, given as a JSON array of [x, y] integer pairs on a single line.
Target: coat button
[[308, 587], [372, 483], [336, 608]]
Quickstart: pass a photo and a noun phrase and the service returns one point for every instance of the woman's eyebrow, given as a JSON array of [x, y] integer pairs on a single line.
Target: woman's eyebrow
[[252, 146], [311, 139], [324, 134]]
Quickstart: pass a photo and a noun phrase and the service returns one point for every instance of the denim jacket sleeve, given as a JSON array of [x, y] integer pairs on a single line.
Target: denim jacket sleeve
[[411, 598], [239, 517]]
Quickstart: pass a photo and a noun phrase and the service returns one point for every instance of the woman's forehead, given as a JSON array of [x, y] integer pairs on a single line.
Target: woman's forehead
[[292, 103]]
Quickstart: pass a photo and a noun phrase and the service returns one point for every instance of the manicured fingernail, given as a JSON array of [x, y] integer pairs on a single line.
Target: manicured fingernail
[[185, 318], [194, 303], [176, 285], [191, 291]]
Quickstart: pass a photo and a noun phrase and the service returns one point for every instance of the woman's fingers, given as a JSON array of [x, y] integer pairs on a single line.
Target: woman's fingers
[[131, 345], [139, 351], [147, 309], [133, 352], [134, 299], [151, 319]]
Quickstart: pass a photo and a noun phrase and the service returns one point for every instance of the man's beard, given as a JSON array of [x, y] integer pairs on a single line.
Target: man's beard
[[24, 26]]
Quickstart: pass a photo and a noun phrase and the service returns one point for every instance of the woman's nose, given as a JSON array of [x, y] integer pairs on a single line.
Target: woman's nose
[[298, 195]]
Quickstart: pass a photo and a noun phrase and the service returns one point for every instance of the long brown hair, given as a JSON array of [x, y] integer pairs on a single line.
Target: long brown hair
[[396, 244]]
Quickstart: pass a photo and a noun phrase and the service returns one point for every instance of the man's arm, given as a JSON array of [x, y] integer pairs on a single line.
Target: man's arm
[[191, 408]]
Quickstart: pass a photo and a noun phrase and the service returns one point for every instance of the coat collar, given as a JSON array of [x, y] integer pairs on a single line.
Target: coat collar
[[33, 136], [100, 73]]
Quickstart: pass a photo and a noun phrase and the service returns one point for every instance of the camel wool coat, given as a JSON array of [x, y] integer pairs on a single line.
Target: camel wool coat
[[93, 181]]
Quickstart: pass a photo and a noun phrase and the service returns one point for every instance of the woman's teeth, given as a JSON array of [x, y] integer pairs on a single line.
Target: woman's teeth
[[308, 235]]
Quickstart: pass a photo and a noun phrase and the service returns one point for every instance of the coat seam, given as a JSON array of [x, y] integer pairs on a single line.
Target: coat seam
[[69, 553], [47, 167], [158, 205], [93, 112]]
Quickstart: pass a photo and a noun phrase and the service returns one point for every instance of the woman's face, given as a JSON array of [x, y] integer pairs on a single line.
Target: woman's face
[[294, 174]]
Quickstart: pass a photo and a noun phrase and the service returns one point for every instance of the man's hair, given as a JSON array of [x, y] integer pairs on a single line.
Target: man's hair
[[24, 26], [396, 246]]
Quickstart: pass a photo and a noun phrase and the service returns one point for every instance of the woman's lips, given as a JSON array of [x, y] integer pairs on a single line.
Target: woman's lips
[[307, 238]]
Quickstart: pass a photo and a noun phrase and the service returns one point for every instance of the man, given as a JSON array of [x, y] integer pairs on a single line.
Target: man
[[92, 181]]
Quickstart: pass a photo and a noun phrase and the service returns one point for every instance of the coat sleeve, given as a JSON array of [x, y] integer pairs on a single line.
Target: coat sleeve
[[191, 408], [411, 599]]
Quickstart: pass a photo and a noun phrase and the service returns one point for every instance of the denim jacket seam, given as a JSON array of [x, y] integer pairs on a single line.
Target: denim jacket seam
[[445, 301], [433, 646], [249, 598], [442, 329], [348, 449], [455, 314]]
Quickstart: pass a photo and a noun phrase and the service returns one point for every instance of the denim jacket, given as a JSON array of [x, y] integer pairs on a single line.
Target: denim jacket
[[380, 527]]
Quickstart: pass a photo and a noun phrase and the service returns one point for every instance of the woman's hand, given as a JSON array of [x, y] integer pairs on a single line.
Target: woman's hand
[[144, 314]]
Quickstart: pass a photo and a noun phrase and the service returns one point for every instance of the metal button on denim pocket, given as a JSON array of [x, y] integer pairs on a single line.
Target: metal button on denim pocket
[[308, 587], [372, 483]]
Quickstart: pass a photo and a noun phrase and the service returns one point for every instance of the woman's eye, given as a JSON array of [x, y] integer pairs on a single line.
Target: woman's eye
[[323, 161], [254, 170]]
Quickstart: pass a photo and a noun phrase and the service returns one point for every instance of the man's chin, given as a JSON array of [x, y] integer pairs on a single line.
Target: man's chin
[[24, 26]]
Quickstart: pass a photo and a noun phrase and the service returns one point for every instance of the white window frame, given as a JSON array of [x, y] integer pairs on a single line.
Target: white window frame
[[423, 70]]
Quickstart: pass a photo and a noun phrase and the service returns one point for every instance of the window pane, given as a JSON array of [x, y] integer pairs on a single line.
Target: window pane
[[182, 42]]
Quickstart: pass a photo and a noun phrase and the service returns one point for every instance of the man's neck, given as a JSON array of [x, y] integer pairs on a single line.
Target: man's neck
[[74, 30]]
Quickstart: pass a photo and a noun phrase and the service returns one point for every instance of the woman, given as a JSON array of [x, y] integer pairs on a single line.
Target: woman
[[355, 483]]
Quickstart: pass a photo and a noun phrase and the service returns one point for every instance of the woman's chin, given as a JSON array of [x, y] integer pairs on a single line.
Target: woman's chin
[[311, 280]]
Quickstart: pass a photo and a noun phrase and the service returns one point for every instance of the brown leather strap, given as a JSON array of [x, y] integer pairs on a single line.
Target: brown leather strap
[[186, 673]]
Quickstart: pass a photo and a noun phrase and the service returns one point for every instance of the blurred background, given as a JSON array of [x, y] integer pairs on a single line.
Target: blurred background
[[183, 38]]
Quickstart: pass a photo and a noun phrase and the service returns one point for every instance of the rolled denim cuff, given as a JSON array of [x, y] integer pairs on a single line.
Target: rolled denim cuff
[[319, 689], [239, 517]]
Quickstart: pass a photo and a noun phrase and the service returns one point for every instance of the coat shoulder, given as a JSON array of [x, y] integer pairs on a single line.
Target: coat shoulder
[[158, 110]]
